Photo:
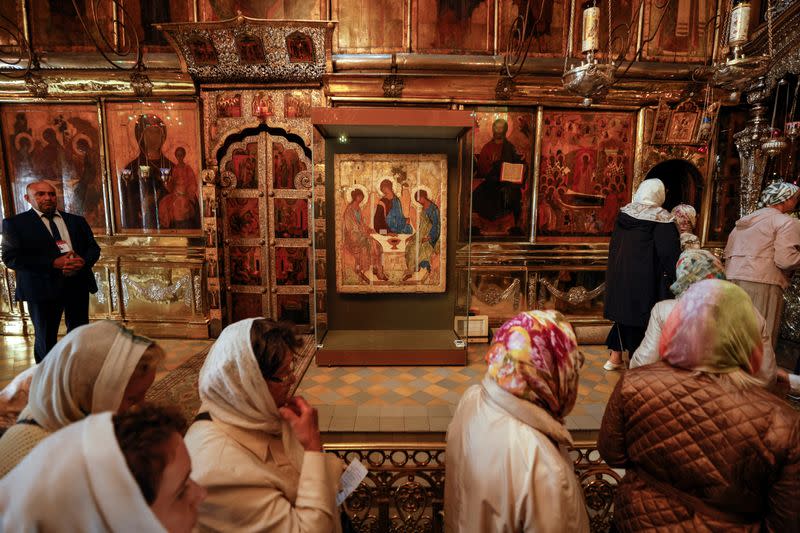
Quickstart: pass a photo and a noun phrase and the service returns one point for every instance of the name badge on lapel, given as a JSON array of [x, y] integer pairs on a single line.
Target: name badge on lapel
[[63, 247]]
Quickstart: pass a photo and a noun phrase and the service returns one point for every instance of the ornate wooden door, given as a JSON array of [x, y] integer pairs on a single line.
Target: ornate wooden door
[[266, 180]]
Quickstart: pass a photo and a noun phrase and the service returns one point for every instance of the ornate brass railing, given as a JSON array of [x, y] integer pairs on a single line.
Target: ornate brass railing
[[404, 490]]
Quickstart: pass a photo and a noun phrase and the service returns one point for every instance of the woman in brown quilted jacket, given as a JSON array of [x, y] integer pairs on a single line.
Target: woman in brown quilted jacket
[[704, 445]]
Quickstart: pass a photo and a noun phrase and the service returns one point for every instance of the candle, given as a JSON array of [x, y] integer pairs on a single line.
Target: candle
[[591, 28], [739, 23]]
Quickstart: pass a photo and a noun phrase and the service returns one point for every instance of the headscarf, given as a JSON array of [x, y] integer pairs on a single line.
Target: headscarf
[[233, 391], [86, 372], [535, 356], [689, 241], [647, 201], [693, 266], [777, 193], [76, 480], [713, 328], [685, 217]]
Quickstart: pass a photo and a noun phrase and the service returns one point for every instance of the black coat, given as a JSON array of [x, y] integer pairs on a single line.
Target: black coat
[[641, 267], [29, 249]]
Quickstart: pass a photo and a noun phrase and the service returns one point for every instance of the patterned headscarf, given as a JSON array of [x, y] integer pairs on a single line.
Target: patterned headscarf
[[535, 356], [713, 328], [777, 193], [695, 265], [685, 217]]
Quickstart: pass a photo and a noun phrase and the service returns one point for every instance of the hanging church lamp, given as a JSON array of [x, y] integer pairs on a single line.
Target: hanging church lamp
[[736, 71], [593, 76]]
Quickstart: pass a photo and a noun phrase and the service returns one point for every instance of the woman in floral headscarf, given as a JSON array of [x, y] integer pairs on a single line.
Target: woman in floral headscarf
[[704, 446], [693, 266], [507, 468], [686, 219], [764, 249]]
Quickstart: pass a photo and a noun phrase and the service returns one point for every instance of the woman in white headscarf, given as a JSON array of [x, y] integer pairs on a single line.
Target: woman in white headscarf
[[256, 450], [120, 473], [644, 249], [97, 367]]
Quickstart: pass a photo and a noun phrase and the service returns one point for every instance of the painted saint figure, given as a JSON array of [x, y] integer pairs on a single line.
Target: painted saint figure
[[141, 186], [421, 246], [389, 217], [285, 166], [179, 209], [493, 198], [358, 241]]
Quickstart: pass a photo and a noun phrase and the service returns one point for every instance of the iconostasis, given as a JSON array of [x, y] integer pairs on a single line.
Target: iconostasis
[[132, 169], [209, 200], [547, 186]]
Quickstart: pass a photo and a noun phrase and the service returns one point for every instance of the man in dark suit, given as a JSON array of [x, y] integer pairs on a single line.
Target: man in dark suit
[[52, 253]]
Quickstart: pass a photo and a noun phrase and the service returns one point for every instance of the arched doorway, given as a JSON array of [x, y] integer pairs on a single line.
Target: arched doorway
[[265, 207], [683, 182]]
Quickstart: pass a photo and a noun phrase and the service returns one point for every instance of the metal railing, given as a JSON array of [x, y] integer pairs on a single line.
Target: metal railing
[[404, 490]]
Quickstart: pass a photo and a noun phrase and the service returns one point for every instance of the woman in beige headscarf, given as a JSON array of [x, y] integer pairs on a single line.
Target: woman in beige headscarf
[[98, 367], [256, 450]]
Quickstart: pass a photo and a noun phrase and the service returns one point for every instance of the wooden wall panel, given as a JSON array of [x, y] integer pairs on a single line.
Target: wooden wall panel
[[684, 34], [370, 26], [453, 26]]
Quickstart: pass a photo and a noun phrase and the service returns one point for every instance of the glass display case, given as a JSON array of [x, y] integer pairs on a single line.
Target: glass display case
[[387, 245]]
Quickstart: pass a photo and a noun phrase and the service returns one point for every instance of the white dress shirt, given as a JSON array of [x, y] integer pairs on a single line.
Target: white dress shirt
[[59, 222]]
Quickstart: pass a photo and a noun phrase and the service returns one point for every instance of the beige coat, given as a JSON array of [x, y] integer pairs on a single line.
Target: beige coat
[[257, 475], [764, 247], [507, 468], [647, 352], [252, 485]]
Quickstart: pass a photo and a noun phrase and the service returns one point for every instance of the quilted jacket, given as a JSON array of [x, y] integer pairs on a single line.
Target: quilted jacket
[[700, 456]]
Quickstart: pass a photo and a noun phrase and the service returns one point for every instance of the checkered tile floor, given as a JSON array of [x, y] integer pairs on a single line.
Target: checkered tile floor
[[423, 399]]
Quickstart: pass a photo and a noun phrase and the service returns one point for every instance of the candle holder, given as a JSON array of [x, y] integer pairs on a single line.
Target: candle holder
[[144, 171], [590, 79], [127, 175], [774, 146], [735, 73]]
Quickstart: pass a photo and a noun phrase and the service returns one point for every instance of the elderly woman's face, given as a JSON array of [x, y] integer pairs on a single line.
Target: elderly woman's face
[[139, 383], [178, 496], [280, 384]]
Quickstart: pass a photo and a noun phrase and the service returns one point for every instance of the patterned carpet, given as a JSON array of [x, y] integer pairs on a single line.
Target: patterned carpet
[[179, 387]]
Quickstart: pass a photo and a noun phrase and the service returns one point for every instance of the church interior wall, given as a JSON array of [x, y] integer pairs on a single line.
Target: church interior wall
[[415, 53]]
